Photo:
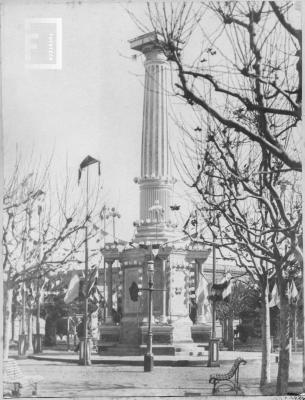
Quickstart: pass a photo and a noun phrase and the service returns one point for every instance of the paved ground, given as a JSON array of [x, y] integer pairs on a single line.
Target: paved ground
[[64, 379], [198, 357]]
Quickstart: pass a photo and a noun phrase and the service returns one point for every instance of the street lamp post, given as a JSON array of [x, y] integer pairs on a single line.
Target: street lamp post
[[85, 352], [37, 336], [85, 345], [213, 360], [149, 357], [114, 214]]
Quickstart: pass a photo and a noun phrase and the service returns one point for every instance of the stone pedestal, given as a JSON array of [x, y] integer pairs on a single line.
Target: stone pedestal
[[109, 336], [162, 334], [201, 333]]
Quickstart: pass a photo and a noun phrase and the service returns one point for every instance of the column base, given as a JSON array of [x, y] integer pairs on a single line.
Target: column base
[[109, 321], [22, 345], [85, 352], [213, 360], [163, 319], [148, 362]]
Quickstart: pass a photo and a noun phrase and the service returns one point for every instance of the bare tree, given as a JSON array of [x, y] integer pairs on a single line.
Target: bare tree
[[246, 78], [247, 73], [255, 215], [43, 232]]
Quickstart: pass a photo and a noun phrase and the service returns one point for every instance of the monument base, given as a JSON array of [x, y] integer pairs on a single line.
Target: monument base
[[182, 329], [162, 334], [109, 336], [129, 331], [201, 333]]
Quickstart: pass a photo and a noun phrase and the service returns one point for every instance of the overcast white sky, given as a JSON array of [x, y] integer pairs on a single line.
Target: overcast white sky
[[93, 105]]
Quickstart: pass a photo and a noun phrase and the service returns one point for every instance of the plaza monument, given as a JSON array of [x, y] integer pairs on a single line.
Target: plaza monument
[[178, 265]]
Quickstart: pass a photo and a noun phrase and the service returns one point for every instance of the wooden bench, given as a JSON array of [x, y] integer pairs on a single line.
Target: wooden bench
[[230, 379], [12, 375]]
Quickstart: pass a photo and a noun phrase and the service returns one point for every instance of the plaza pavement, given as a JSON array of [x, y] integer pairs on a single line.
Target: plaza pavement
[[115, 377]]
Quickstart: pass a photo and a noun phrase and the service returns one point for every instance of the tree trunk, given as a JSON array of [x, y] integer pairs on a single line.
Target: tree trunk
[[30, 331], [13, 323], [283, 369], [7, 317], [230, 333], [266, 341]]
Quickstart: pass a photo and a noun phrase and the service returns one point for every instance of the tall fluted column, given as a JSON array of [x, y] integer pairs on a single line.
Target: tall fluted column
[[156, 182]]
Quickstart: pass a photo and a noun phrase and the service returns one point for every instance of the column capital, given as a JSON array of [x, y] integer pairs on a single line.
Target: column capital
[[164, 252], [197, 255], [110, 253]]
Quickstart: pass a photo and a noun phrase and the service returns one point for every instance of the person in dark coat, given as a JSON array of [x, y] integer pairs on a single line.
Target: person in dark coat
[[193, 311], [80, 330]]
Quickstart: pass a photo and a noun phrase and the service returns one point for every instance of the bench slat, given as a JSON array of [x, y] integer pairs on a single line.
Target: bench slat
[[12, 374], [216, 379]]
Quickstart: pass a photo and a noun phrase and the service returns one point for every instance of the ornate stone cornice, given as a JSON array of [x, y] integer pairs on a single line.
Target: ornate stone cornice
[[133, 256]]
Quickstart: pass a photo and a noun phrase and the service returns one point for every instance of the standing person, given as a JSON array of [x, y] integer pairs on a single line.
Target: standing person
[[80, 330], [193, 311]]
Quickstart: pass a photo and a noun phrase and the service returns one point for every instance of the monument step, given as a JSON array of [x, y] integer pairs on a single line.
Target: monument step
[[120, 350], [192, 349], [126, 350], [181, 349]]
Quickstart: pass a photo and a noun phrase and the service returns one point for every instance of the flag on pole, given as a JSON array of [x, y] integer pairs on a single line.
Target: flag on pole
[[292, 292], [223, 289], [227, 290], [73, 289], [202, 291], [275, 298], [85, 163], [202, 298], [19, 294], [92, 280]]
